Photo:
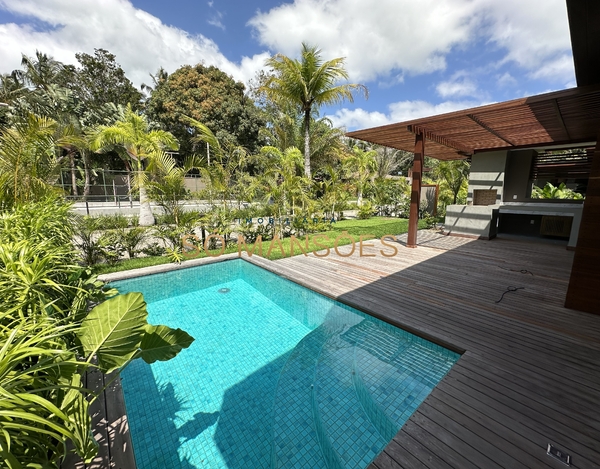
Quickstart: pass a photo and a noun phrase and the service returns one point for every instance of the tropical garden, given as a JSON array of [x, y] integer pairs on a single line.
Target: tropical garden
[[271, 169]]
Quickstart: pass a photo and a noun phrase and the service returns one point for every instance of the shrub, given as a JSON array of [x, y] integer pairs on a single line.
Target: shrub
[[48, 338], [113, 222], [365, 211], [130, 239], [87, 239], [250, 231], [153, 249]]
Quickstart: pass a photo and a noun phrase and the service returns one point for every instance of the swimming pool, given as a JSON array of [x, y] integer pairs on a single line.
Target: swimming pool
[[278, 376]]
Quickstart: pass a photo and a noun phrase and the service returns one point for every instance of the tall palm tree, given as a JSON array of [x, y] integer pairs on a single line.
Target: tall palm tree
[[132, 134], [308, 84]]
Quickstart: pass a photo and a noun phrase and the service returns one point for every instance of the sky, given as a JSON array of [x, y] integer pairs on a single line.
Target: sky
[[417, 58]]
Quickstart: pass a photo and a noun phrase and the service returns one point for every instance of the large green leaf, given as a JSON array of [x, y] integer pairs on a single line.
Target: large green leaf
[[163, 343], [113, 330]]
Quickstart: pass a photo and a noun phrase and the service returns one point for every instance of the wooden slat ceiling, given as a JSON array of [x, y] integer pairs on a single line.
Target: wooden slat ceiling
[[562, 117]]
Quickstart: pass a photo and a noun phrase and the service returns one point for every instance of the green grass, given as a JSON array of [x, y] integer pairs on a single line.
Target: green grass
[[372, 228]]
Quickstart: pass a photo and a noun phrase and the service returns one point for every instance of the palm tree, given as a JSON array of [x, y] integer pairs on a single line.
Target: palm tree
[[362, 165], [137, 142], [334, 189], [308, 84], [227, 162], [29, 166], [39, 72], [168, 186], [453, 173], [282, 185]]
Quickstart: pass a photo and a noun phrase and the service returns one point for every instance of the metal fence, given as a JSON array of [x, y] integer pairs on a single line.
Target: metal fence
[[109, 186]]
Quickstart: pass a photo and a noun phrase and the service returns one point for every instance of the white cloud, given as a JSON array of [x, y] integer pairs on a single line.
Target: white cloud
[[397, 112], [535, 34], [459, 85], [376, 38], [141, 42], [506, 79], [388, 36], [216, 17], [407, 110], [560, 67], [216, 21], [359, 119]]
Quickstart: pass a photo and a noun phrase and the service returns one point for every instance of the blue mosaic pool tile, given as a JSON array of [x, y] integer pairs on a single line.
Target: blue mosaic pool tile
[[278, 376]]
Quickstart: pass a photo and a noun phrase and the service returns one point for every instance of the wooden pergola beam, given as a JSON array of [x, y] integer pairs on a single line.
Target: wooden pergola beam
[[415, 195], [429, 135], [559, 116], [481, 124]]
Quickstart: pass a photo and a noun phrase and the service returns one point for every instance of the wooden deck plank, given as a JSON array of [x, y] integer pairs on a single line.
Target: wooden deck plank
[[531, 373]]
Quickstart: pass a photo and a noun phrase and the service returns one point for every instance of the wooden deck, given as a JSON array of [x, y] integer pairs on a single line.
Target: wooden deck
[[530, 373], [109, 424]]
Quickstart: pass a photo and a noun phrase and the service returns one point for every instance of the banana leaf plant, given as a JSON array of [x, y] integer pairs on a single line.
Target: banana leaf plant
[[117, 331], [43, 404]]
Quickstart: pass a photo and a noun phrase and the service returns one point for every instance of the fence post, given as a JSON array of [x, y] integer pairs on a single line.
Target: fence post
[[129, 190], [104, 185], [87, 208]]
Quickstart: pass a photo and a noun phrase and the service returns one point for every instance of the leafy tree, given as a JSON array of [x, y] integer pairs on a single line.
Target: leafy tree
[[134, 137], [391, 196], [389, 160], [334, 190], [99, 80], [283, 169], [40, 72], [36, 89], [308, 84], [227, 161], [160, 76], [11, 92], [210, 96]]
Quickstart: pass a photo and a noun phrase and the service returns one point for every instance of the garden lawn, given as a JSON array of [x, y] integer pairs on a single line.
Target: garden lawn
[[372, 228]]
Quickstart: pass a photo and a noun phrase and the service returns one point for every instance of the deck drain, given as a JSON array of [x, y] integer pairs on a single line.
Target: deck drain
[[224, 290], [558, 454]]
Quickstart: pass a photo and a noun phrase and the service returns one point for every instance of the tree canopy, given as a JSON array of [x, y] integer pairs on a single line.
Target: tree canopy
[[98, 80], [210, 96], [308, 84]]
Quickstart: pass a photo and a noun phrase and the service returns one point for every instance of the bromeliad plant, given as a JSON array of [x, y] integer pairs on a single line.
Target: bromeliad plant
[[48, 339]]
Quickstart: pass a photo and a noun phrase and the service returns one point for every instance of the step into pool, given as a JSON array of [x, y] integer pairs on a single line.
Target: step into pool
[[278, 377]]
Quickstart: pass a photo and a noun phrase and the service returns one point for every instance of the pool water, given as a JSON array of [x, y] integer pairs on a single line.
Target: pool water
[[278, 376]]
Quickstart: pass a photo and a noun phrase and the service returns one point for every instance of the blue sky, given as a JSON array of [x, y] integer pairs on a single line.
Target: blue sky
[[417, 58]]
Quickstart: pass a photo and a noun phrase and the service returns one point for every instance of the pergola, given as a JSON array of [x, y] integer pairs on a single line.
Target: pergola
[[564, 117], [569, 117]]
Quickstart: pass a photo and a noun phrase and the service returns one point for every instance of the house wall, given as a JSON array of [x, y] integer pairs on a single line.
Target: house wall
[[508, 173], [487, 172], [477, 221], [517, 185]]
